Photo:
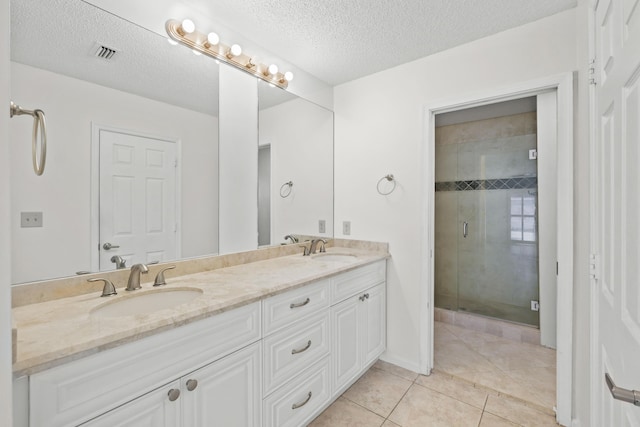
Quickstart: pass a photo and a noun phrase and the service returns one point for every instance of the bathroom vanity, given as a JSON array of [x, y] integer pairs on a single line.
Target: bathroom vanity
[[264, 343]]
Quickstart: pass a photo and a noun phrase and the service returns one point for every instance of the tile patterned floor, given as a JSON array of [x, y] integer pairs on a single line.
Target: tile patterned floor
[[479, 380]]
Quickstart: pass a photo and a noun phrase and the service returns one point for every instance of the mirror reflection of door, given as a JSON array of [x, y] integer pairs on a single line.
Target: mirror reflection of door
[[138, 200]]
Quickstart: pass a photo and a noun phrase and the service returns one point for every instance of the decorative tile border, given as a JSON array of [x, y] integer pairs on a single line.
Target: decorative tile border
[[489, 184]]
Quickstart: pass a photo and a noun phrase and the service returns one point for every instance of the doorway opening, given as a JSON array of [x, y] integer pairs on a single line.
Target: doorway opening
[[492, 260], [560, 173]]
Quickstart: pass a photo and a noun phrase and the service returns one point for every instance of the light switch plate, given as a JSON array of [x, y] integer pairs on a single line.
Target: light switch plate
[[346, 228], [30, 219], [322, 226], [535, 306]]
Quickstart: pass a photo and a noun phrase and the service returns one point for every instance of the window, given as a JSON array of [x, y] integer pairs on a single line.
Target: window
[[523, 218]]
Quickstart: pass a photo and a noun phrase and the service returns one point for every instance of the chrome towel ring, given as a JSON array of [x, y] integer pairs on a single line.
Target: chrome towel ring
[[389, 178], [285, 190], [38, 124]]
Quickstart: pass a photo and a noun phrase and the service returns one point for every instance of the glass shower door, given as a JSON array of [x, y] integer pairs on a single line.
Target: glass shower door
[[486, 239], [497, 229]]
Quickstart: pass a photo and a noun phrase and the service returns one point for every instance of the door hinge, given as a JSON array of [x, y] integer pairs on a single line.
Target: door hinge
[[592, 72], [594, 266]]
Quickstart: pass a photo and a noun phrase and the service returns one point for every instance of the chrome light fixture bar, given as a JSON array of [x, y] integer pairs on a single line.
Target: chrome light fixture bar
[[184, 32]]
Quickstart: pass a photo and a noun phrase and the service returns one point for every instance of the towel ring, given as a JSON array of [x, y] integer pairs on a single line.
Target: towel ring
[[389, 178], [38, 124], [285, 190]]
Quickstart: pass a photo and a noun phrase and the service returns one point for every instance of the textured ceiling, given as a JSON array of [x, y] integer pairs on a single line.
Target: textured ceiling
[[334, 40], [62, 36], [341, 40]]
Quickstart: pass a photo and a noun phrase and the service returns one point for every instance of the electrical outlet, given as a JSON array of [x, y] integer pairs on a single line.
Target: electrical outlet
[[346, 228], [322, 226], [535, 306], [30, 219]]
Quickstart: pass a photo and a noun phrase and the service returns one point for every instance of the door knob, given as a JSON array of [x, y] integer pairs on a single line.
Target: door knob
[[108, 246], [629, 396]]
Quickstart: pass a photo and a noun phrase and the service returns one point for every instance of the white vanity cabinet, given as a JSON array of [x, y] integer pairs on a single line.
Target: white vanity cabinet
[[358, 323], [143, 372], [223, 393], [296, 355]]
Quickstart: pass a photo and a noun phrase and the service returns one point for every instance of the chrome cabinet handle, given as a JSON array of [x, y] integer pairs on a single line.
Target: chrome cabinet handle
[[629, 396], [465, 229], [305, 348], [107, 246], [301, 404], [300, 304], [192, 384], [173, 394]]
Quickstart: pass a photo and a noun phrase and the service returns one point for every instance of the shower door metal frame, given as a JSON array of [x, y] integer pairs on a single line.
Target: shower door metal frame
[[563, 84]]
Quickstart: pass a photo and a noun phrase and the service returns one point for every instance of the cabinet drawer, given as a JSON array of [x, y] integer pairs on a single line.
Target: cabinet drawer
[[82, 389], [288, 352], [284, 309], [352, 282], [295, 404]]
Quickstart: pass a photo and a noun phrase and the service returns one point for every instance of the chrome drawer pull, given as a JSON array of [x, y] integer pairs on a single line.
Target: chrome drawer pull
[[301, 404], [296, 351], [300, 304]]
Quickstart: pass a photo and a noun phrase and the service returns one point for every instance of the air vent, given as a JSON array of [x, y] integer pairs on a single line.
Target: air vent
[[105, 52]]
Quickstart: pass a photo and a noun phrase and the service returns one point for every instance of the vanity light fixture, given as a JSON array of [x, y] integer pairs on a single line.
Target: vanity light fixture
[[185, 33]]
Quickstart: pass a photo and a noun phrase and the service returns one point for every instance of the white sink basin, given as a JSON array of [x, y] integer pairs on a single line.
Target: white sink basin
[[331, 257], [145, 303]]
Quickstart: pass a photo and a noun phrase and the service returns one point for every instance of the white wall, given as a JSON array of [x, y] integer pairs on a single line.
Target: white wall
[[379, 130], [238, 228], [5, 250], [61, 246], [301, 138]]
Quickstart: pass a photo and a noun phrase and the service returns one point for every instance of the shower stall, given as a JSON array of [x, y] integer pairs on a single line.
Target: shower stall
[[486, 215]]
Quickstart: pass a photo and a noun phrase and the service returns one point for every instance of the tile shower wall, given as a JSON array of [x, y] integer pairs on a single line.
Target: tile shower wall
[[484, 177]]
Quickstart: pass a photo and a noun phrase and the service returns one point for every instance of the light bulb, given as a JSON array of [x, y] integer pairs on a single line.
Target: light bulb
[[188, 26], [288, 76], [213, 38], [273, 69], [172, 42], [236, 50], [195, 52]]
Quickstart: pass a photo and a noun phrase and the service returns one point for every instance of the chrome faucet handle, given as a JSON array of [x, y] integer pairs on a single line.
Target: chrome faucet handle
[[160, 280], [293, 238], [306, 250], [108, 288]]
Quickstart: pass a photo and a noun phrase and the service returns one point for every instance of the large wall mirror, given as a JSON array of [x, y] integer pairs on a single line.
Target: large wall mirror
[[132, 125]]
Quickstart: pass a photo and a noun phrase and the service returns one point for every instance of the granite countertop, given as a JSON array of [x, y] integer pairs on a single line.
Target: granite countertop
[[55, 332]]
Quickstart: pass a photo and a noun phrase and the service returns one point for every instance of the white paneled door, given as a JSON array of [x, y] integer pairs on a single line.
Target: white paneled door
[[616, 212], [137, 199]]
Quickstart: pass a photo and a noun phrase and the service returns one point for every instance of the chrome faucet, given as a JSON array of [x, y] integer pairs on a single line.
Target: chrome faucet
[[119, 262], [312, 248], [134, 276], [108, 289], [293, 238]]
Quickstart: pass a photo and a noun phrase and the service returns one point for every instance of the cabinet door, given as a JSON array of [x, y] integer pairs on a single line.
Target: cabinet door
[[347, 342], [225, 393], [374, 327], [154, 409]]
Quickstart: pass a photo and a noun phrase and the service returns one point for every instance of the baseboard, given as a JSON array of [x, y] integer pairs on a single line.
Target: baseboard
[[575, 422], [399, 361]]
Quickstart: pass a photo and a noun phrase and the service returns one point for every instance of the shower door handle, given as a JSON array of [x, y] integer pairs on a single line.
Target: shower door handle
[[465, 229]]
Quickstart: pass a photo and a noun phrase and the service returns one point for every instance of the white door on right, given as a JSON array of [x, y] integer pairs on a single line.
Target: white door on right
[[616, 211]]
